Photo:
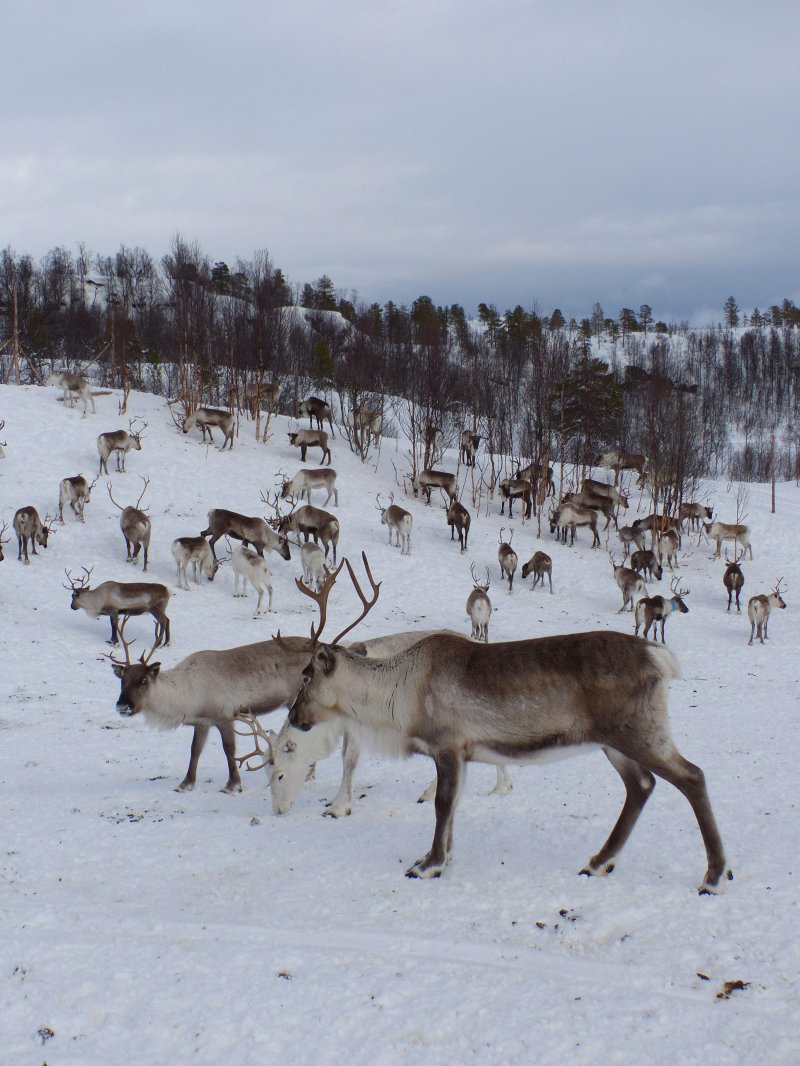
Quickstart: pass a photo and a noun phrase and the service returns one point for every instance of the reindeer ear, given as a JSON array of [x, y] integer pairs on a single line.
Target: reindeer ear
[[359, 648], [152, 670], [326, 660], [118, 669]]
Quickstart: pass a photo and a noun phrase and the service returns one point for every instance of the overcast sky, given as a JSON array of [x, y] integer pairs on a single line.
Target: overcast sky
[[545, 152]]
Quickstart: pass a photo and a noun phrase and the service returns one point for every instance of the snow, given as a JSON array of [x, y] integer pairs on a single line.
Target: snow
[[142, 925]]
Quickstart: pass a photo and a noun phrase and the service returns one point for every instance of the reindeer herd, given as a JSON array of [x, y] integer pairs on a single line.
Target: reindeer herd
[[436, 693]]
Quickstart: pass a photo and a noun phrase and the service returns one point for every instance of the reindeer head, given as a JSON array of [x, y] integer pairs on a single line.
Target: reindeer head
[[777, 591], [135, 678], [678, 597], [77, 586]]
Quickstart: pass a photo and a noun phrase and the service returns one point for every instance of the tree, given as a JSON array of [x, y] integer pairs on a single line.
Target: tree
[[598, 321], [645, 317], [556, 320], [730, 312]]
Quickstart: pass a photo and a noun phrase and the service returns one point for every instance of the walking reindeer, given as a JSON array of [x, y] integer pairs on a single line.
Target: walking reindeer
[[654, 609], [759, 609], [479, 607], [135, 526], [507, 558]]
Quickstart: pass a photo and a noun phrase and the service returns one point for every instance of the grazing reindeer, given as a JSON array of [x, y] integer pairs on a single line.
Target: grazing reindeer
[[694, 514], [459, 518], [758, 611], [398, 520], [135, 526], [115, 599], [305, 480], [733, 579], [654, 609], [516, 489], [203, 418], [458, 701], [620, 460], [470, 442], [479, 607], [630, 584], [602, 488], [668, 544], [428, 480], [310, 438], [255, 531], [507, 558], [77, 492], [631, 535], [539, 564], [6, 540], [251, 567], [312, 522], [29, 527], [314, 570], [571, 515], [121, 442], [645, 562], [319, 410], [720, 531], [194, 552], [75, 386]]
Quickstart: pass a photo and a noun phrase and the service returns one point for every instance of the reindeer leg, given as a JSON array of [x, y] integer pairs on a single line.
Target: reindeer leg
[[199, 738], [341, 804], [228, 735], [450, 773], [639, 783], [503, 784]]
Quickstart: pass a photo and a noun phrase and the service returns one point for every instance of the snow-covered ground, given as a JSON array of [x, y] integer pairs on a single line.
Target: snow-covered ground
[[142, 925]]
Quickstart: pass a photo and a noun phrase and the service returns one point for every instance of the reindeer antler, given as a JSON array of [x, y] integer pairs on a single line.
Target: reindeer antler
[[244, 714], [146, 481], [2, 531], [80, 583], [777, 588], [475, 581], [108, 486], [321, 599], [677, 591]]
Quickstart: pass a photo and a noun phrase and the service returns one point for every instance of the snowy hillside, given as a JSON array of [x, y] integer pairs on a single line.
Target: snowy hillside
[[142, 925]]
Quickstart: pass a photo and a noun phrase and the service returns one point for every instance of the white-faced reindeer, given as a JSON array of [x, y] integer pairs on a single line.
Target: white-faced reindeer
[[29, 527], [459, 518], [318, 410], [120, 442], [255, 531], [251, 567], [570, 516], [310, 438], [694, 514], [75, 387], [399, 521], [654, 609], [136, 527], [539, 564], [312, 559], [720, 531], [311, 522], [733, 578], [516, 489], [621, 460], [305, 480], [77, 492], [204, 418], [121, 599], [759, 609], [457, 701], [630, 584], [507, 558], [195, 552], [479, 607], [427, 480]]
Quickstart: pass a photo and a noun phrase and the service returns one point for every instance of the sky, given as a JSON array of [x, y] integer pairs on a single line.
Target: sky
[[543, 153]]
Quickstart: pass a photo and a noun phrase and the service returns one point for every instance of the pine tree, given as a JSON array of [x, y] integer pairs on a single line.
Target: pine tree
[[730, 313]]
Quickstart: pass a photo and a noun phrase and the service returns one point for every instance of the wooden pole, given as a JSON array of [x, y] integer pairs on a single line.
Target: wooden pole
[[15, 335], [772, 467]]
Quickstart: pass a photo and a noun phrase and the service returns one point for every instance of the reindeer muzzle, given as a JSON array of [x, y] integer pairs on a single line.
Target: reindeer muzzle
[[125, 710]]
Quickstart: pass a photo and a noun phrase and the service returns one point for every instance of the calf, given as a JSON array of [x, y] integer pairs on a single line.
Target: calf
[[694, 514], [251, 567], [470, 442], [399, 520], [645, 562], [630, 584], [516, 489], [539, 564], [74, 385], [77, 492], [314, 570], [194, 551], [428, 480]]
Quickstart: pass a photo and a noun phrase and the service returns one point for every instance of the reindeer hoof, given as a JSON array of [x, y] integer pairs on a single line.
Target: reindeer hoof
[[185, 786], [597, 871]]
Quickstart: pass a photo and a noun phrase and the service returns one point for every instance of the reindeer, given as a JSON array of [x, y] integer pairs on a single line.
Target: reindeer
[[645, 562], [479, 607], [470, 442], [194, 552], [314, 570], [251, 567], [121, 442], [630, 584], [668, 544], [29, 527], [458, 701], [507, 558], [398, 520], [759, 609], [733, 578], [366, 425], [516, 489], [3, 540], [428, 480], [539, 564], [319, 410], [658, 524], [77, 492], [720, 531], [249, 397], [694, 514], [305, 480], [255, 531], [531, 473], [459, 518], [203, 418], [631, 535], [75, 386], [603, 504], [310, 438], [312, 522], [135, 526], [115, 599], [602, 488], [433, 441], [654, 609], [621, 460], [571, 515]]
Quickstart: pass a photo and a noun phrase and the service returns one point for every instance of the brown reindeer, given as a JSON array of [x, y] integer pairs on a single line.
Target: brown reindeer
[[459, 518], [120, 442], [317, 410], [654, 609], [310, 438], [29, 527], [733, 578], [135, 526], [121, 599], [204, 418], [539, 564], [255, 531], [77, 492], [507, 558]]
